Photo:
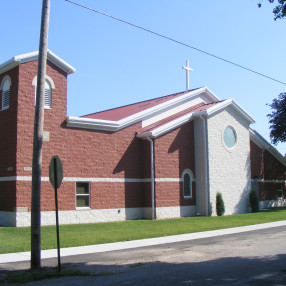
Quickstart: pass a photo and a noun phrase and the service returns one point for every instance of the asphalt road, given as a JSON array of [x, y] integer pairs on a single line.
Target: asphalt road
[[252, 258]]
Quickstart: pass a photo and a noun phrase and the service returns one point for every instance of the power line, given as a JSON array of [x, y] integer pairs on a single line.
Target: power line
[[175, 41]]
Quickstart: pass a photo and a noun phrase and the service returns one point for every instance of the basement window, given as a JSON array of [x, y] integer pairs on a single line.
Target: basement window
[[82, 195]]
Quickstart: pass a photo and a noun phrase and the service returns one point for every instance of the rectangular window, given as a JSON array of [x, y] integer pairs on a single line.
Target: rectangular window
[[82, 195]]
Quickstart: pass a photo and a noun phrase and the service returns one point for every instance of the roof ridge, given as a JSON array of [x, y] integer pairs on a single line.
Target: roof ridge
[[148, 100]]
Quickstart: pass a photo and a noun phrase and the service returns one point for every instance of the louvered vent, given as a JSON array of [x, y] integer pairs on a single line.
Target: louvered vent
[[47, 97], [6, 98]]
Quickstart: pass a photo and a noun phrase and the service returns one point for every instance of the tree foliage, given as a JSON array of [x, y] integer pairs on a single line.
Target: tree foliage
[[219, 205], [279, 11], [277, 119], [253, 200]]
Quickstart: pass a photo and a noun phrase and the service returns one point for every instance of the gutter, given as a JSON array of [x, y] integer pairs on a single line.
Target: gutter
[[33, 56], [152, 177]]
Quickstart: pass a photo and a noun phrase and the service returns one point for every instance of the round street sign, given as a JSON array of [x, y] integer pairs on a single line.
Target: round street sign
[[56, 172]]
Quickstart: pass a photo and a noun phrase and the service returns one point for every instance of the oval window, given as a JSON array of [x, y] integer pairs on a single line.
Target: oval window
[[229, 137]]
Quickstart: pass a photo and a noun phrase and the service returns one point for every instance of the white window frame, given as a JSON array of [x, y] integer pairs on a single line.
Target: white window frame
[[5, 92], [192, 179], [82, 195], [230, 149], [48, 81]]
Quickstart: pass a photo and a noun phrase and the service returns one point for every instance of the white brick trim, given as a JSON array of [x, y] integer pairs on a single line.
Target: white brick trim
[[90, 179], [267, 181]]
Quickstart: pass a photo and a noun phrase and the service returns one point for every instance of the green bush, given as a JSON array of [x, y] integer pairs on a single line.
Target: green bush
[[253, 200], [219, 204]]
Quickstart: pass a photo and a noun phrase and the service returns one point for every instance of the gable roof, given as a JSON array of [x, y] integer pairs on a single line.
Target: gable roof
[[17, 60], [118, 118], [119, 113], [173, 108], [202, 109], [167, 124]]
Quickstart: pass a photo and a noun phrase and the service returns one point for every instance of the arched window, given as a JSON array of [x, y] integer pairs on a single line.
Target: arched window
[[5, 87], [49, 85], [187, 178]]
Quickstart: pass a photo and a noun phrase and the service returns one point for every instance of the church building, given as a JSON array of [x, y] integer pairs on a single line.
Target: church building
[[162, 158]]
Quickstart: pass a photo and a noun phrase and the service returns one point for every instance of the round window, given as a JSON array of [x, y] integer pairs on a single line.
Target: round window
[[229, 137]]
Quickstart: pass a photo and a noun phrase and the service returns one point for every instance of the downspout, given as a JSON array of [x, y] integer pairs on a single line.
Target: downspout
[[206, 164], [152, 177], [262, 176], [262, 165]]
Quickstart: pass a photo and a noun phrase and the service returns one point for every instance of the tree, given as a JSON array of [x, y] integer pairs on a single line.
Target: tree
[[219, 204], [279, 11], [253, 200], [277, 119]]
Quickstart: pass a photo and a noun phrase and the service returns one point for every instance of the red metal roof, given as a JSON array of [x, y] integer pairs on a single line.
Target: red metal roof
[[128, 110], [194, 109]]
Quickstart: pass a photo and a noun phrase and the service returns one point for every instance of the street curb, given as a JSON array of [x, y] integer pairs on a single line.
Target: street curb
[[69, 251]]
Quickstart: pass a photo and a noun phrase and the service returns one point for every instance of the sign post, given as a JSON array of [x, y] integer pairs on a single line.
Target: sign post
[[56, 177]]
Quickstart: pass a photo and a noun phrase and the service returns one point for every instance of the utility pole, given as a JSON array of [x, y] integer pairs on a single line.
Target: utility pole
[[38, 140]]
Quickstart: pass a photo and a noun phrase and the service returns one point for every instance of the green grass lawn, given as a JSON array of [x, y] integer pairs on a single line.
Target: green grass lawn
[[18, 239]]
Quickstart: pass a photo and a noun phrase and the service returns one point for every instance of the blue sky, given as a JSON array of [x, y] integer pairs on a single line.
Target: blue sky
[[117, 64]]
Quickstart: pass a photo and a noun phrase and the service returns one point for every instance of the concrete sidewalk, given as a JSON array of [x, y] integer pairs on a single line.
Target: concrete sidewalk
[[52, 253]]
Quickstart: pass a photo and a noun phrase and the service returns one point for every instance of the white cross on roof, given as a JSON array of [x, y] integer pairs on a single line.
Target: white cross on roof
[[188, 69]]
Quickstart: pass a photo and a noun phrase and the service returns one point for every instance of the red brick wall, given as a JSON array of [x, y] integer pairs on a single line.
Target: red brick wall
[[8, 143], [8, 127], [7, 196], [265, 166], [174, 152], [273, 169], [84, 153], [147, 172], [256, 161], [97, 154], [53, 118]]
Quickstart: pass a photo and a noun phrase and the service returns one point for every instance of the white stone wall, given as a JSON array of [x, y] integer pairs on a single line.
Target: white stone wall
[[81, 216], [22, 219], [229, 169], [174, 212]]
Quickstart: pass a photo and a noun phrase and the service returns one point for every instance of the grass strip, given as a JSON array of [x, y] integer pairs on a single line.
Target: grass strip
[[18, 239]]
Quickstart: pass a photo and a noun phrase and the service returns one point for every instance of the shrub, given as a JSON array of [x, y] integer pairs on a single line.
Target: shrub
[[219, 204], [253, 200]]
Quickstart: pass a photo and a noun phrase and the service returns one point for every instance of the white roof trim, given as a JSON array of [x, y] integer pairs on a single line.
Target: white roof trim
[[108, 125], [163, 129], [80, 122], [15, 61], [263, 144], [234, 104], [185, 118], [89, 123]]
